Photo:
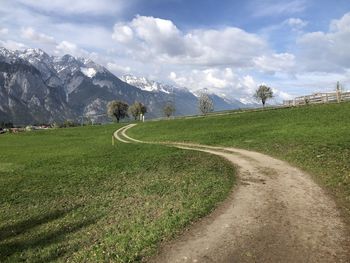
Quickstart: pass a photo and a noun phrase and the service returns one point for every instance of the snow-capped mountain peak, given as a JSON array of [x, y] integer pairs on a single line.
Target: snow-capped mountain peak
[[89, 72], [33, 52], [35, 55], [147, 85], [68, 65], [88, 63], [44, 88], [7, 55]]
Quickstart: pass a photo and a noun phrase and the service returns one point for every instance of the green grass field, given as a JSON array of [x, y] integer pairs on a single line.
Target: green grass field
[[314, 138], [68, 195]]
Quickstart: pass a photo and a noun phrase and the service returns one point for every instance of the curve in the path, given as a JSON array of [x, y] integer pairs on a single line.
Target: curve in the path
[[275, 214]]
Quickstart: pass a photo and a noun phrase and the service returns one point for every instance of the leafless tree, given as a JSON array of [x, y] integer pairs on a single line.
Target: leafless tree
[[169, 109], [205, 104], [137, 109]]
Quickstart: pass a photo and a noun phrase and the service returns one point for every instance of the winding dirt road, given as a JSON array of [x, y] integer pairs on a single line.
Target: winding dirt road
[[276, 213]]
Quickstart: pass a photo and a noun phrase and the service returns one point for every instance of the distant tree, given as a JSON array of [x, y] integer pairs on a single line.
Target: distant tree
[[169, 109], [134, 110], [263, 93], [6, 124], [55, 125], [90, 121], [205, 104], [68, 123], [137, 109], [143, 109], [117, 109], [339, 87]]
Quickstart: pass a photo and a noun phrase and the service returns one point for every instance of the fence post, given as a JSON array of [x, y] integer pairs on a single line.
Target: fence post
[[338, 95]]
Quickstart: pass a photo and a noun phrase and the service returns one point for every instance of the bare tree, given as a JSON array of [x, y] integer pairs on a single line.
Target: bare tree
[[143, 109], [169, 109], [205, 104], [134, 111], [117, 109], [339, 87], [263, 93], [137, 109]]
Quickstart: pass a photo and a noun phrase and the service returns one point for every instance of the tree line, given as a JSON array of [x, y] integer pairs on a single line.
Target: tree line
[[120, 109]]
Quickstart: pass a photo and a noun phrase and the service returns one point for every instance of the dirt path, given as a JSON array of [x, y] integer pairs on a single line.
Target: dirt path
[[275, 214]]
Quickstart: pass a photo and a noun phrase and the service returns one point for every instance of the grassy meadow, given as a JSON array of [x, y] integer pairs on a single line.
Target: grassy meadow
[[67, 195], [315, 138]]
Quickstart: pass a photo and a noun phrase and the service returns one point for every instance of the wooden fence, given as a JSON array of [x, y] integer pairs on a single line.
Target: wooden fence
[[318, 98]]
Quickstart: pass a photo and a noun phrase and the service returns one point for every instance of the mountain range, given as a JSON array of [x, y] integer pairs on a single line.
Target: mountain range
[[38, 88]]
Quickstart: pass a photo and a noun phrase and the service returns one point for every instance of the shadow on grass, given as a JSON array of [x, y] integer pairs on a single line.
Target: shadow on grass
[[38, 240], [26, 225]]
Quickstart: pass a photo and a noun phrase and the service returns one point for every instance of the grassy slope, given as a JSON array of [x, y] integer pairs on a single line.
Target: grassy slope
[[69, 195], [315, 138]]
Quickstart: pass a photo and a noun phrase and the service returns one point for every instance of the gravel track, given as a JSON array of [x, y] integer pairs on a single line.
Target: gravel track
[[276, 213]]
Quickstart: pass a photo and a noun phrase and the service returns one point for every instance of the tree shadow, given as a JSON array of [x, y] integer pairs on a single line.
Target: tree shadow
[[26, 225], [36, 241]]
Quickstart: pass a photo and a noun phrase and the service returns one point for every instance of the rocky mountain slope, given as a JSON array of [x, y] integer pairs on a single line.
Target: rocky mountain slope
[[186, 102], [38, 88]]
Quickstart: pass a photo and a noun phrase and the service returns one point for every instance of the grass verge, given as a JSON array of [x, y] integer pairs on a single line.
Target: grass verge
[[315, 138], [68, 195]]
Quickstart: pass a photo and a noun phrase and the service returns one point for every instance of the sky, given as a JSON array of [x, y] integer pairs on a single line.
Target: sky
[[229, 47]]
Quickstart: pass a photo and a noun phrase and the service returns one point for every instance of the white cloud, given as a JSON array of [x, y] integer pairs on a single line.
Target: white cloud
[[228, 60], [313, 82], [4, 30], [296, 23], [84, 35], [229, 46], [276, 7], [279, 95], [66, 47], [158, 40], [341, 25], [172, 76], [90, 7], [284, 62], [13, 45], [250, 84], [223, 82], [122, 33], [40, 30], [212, 79], [161, 35], [215, 80], [288, 30], [326, 51], [31, 34], [117, 69]]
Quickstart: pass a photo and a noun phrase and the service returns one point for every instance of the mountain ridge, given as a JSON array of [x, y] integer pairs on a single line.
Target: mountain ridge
[[36, 87]]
